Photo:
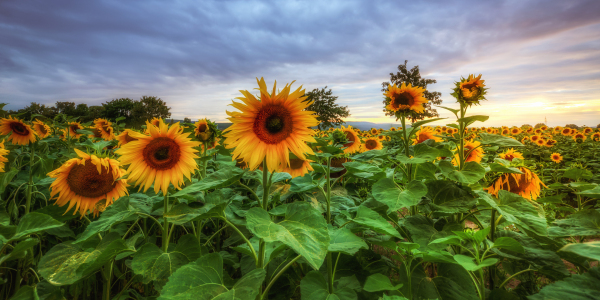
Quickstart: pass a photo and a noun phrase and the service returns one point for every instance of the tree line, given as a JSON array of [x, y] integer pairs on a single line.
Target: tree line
[[136, 112]]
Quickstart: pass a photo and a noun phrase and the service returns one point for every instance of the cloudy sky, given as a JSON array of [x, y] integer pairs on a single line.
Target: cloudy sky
[[540, 59]]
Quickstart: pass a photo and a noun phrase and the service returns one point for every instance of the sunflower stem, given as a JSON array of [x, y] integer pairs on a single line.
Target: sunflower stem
[[461, 134], [413, 209], [328, 198], [30, 183], [165, 229], [265, 202], [204, 161]]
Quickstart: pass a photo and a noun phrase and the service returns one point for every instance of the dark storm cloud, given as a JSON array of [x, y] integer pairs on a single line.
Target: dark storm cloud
[[92, 51]]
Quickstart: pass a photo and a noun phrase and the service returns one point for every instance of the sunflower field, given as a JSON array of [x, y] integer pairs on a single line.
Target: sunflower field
[[273, 209]]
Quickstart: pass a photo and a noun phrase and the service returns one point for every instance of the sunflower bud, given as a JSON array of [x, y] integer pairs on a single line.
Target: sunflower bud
[[470, 91]]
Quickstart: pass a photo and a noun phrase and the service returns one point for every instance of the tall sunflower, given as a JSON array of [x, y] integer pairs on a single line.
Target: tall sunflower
[[556, 157], [105, 128], [298, 167], [73, 127], [162, 157], [41, 129], [510, 154], [404, 98], [515, 131], [528, 184], [271, 127], [595, 136], [371, 144], [425, 133], [3, 154], [84, 182], [472, 152], [580, 136], [21, 133], [470, 90], [566, 131], [353, 144]]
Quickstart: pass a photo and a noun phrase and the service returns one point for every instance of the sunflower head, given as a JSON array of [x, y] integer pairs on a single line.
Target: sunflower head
[[20, 133], [353, 143], [272, 127], [105, 128], [540, 142], [579, 136], [425, 133], [298, 167], [595, 137], [588, 130], [515, 131], [3, 154], [41, 129], [73, 127], [534, 138], [528, 184], [510, 154], [472, 152], [470, 90], [125, 137], [556, 157], [405, 98], [206, 131], [371, 144], [550, 143], [566, 131], [86, 181], [162, 157]]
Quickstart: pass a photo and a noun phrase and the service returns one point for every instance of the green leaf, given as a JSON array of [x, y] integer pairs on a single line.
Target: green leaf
[[576, 287], [518, 210], [449, 240], [26, 293], [118, 212], [379, 282], [7, 177], [203, 280], [314, 287], [19, 250], [469, 265], [303, 184], [509, 244], [589, 250], [364, 170], [219, 179], [304, 230], [387, 192], [372, 220], [343, 240], [448, 197], [551, 199], [454, 111], [34, 222], [67, 263], [498, 140], [155, 265], [496, 167], [471, 173], [577, 174], [581, 223], [592, 193], [472, 119]]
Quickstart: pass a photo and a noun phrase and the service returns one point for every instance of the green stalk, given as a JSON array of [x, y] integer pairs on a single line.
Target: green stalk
[[266, 291], [265, 202], [413, 209], [30, 183], [328, 192], [165, 229], [461, 134], [492, 238], [107, 281], [204, 161], [330, 272]]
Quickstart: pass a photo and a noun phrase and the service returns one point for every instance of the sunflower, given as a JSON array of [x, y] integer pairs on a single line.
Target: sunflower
[[3, 154], [202, 130], [580, 136], [528, 184], [425, 133], [550, 143], [125, 137], [73, 127], [595, 137], [405, 98], [515, 131], [211, 145], [566, 131], [511, 154], [271, 128], [84, 182], [156, 121], [525, 139], [489, 130], [338, 162], [588, 130], [105, 128], [557, 129], [374, 131], [470, 90], [556, 157], [96, 133], [540, 142], [41, 129], [505, 132], [529, 130], [298, 167], [371, 144], [353, 144], [472, 152], [392, 128], [534, 138], [21, 133], [544, 127], [162, 157]]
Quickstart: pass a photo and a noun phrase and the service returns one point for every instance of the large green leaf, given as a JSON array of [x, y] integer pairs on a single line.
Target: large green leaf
[[203, 280], [590, 250], [576, 287], [581, 223], [470, 265], [118, 212], [388, 192], [592, 193], [498, 140], [314, 287], [303, 184], [448, 197], [304, 230], [19, 250], [421, 231], [343, 240], [471, 172], [379, 282], [26, 293], [219, 179], [372, 220], [155, 265], [471, 119], [67, 263], [34, 222], [517, 210], [364, 170]]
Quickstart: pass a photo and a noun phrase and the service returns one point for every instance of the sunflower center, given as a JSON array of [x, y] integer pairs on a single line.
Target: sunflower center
[[371, 144], [42, 129], [97, 133], [273, 124], [202, 127], [509, 157], [19, 128], [403, 99], [350, 138], [85, 180], [296, 163], [162, 153], [74, 128]]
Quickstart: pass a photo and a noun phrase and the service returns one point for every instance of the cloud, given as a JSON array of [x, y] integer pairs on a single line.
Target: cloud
[[197, 55]]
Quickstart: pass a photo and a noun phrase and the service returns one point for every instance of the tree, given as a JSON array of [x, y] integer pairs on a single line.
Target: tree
[[94, 112], [36, 109], [414, 78], [81, 110], [149, 107], [572, 126], [328, 113], [116, 108], [187, 120], [67, 108]]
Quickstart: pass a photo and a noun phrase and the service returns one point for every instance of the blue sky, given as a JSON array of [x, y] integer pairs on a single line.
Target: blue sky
[[540, 59]]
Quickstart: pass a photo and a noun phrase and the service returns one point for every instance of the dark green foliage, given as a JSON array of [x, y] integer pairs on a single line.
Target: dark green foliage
[[328, 112]]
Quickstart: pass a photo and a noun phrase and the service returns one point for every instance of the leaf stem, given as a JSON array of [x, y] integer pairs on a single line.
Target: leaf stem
[[266, 291]]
